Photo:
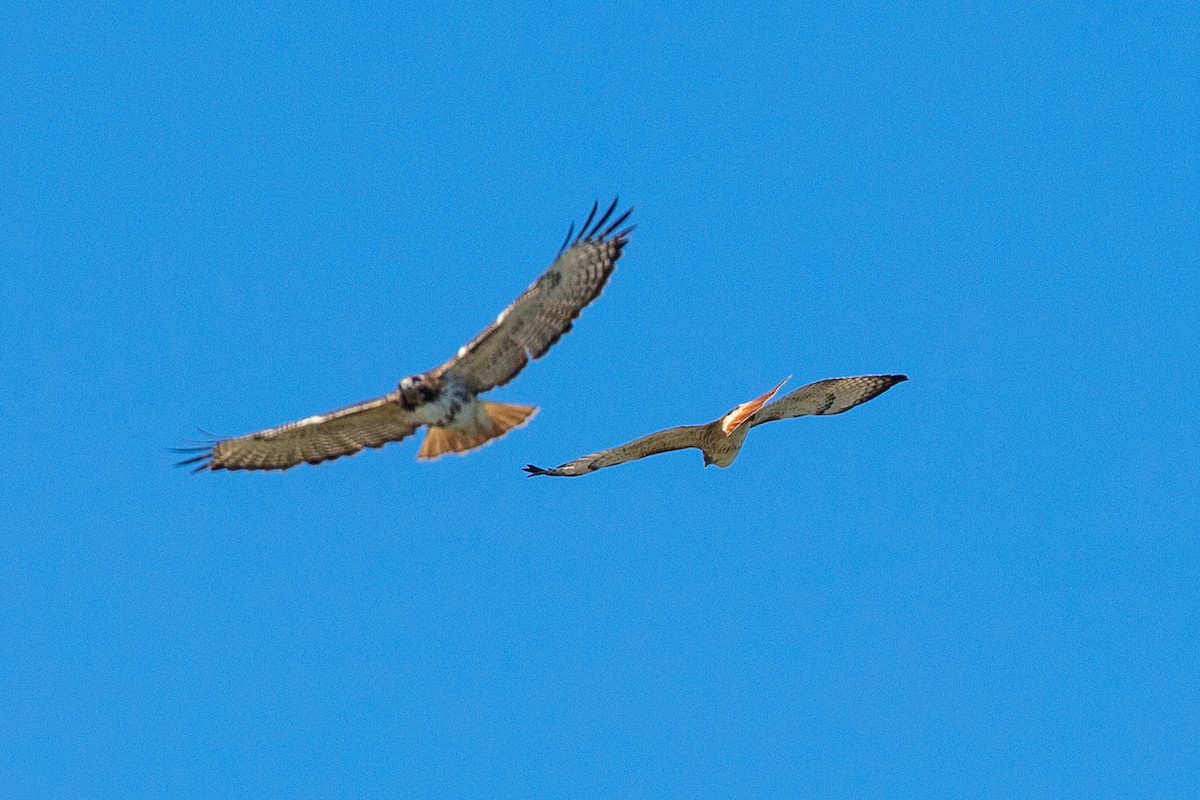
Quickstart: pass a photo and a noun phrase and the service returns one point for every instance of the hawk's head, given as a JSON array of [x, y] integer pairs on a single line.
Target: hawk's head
[[417, 390], [411, 383]]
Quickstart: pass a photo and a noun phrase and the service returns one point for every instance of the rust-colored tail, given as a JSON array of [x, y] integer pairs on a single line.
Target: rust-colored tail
[[492, 421], [731, 421]]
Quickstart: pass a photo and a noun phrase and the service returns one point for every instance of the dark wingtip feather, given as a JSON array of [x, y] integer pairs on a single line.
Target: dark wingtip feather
[[886, 382], [204, 459], [621, 238], [600, 222], [567, 240], [616, 224], [203, 449], [593, 228], [583, 228], [532, 470]]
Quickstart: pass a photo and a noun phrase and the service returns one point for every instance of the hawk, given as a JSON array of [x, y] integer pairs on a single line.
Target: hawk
[[446, 398], [721, 440]]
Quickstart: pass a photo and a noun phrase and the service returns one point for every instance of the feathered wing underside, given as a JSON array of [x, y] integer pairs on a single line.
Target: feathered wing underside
[[546, 310], [314, 439], [830, 396], [679, 438]]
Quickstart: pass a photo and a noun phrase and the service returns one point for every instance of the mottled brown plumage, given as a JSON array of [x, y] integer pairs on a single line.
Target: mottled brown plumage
[[721, 440], [444, 398]]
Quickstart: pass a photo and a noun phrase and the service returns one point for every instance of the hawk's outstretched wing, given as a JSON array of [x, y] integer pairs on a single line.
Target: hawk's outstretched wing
[[544, 311], [830, 396], [314, 439], [679, 438]]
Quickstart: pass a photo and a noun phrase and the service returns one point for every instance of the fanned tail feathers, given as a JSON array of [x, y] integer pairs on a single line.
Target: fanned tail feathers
[[495, 420], [733, 420]]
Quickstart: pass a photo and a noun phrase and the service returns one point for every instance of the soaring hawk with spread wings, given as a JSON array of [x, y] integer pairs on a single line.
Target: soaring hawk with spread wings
[[721, 440], [445, 398]]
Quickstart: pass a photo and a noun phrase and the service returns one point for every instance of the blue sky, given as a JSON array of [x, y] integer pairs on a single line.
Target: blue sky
[[984, 583]]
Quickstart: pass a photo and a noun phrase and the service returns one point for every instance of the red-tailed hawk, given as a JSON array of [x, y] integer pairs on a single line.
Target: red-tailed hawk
[[721, 440], [445, 398]]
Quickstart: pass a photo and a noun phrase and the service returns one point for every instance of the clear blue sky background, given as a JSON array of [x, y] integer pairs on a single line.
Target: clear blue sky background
[[984, 583]]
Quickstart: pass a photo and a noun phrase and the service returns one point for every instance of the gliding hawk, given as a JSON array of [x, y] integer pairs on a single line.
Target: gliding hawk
[[721, 440], [444, 398]]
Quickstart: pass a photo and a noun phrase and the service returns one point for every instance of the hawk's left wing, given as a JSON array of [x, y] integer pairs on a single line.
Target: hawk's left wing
[[830, 396], [678, 438], [372, 423], [544, 311]]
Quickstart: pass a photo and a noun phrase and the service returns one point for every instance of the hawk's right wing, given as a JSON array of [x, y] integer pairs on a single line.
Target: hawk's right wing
[[322, 437], [830, 396], [547, 309], [679, 438]]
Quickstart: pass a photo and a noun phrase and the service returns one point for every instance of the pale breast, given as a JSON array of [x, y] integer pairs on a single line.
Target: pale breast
[[452, 402]]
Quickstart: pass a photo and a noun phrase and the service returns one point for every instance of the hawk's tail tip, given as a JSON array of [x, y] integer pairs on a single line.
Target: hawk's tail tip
[[495, 420]]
